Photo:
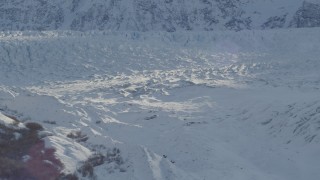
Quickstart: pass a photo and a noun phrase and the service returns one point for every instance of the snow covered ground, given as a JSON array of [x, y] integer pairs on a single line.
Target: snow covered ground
[[205, 105]]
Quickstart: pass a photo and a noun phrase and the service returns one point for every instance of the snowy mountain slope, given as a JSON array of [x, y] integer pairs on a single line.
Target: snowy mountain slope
[[168, 15], [158, 105]]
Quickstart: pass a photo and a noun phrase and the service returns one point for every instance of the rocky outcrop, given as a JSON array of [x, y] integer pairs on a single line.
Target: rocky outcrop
[[307, 16], [275, 22]]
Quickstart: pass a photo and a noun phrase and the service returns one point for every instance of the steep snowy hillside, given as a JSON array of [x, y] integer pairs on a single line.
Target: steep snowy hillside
[[166, 106], [166, 15]]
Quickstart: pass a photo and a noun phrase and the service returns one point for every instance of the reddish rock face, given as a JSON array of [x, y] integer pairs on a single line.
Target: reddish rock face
[[26, 157], [43, 165]]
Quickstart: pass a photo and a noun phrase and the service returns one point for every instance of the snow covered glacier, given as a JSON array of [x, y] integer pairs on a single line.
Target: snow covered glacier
[[160, 105]]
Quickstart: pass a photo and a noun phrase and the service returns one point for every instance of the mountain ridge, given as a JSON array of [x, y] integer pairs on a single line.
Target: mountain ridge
[[152, 15]]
